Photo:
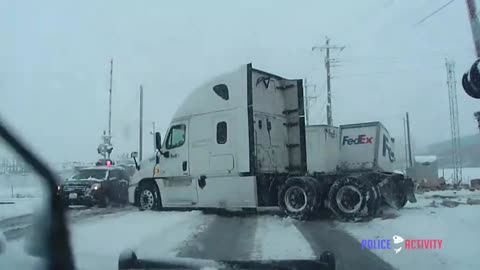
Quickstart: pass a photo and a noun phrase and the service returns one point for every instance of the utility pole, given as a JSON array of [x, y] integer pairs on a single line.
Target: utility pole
[[454, 126], [140, 150], [410, 159], [328, 66], [307, 99], [407, 164]]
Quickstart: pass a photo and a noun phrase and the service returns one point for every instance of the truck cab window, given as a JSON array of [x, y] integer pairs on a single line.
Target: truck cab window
[[221, 132], [221, 90], [176, 136]]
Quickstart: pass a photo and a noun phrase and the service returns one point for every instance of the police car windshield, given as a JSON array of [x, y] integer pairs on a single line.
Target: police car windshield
[[86, 174]]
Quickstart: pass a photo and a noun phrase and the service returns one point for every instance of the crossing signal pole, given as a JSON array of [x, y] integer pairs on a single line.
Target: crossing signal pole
[[328, 65]]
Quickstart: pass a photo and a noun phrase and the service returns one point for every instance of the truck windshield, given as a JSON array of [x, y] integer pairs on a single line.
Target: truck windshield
[[89, 174]]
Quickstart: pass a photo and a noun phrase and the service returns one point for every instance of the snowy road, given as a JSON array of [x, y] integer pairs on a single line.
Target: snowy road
[[99, 237], [97, 242]]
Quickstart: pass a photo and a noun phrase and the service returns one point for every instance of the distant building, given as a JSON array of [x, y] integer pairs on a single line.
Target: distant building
[[424, 168], [10, 163]]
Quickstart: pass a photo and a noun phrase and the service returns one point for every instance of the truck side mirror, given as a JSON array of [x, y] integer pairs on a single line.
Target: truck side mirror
[[158, 141], [134, 155]]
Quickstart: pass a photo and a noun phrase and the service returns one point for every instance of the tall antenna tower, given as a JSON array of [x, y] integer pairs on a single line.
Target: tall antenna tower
[[454, 123], [328, 64]]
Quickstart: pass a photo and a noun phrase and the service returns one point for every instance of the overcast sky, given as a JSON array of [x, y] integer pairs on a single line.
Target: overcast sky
[[54, 63]]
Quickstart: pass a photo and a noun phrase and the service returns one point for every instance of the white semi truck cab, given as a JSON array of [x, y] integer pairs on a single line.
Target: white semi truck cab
[[240, 141]]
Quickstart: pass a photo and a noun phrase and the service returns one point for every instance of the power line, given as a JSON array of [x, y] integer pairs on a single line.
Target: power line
[[434, 12]]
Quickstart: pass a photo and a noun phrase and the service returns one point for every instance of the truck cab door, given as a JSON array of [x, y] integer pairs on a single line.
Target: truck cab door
[[178, 187]]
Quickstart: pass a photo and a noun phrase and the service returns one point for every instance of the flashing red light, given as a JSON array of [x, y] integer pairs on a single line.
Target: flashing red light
[[109, 163]]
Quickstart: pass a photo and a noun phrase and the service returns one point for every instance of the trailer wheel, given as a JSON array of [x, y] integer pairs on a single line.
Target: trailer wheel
[[348, 197], [298, 198], [401, 200], [374, 200]]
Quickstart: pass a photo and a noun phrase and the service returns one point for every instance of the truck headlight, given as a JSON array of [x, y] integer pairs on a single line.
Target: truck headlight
[[96, 186]]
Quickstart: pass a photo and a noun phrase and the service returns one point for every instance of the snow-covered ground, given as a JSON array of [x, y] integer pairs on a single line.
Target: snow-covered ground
[[99, 239], [19, 207], [458, 227], [19, 195]]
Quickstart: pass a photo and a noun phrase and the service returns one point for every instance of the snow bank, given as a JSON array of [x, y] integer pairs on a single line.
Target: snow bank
[[458, 228], [278, 238], [424, 159], [20, 194]]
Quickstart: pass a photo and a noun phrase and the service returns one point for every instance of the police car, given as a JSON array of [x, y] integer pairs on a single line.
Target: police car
[[100, 185]]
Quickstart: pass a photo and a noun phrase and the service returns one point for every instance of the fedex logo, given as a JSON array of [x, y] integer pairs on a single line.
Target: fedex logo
[[387, 149], [361, 139]]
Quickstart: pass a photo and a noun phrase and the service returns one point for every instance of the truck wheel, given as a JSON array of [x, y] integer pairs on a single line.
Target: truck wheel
[[374, 201], [149, 197], [348, 197], [298, 198]]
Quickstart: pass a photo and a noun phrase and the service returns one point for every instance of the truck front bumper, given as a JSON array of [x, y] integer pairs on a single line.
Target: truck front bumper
[[132, 191]]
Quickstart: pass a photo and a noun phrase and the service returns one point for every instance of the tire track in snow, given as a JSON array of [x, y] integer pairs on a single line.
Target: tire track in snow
[[278, 238], [226, 238], [325, 236]]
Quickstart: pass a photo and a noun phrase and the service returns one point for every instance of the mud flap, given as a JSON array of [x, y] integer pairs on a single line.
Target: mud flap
[[396, 190], [410, 190]]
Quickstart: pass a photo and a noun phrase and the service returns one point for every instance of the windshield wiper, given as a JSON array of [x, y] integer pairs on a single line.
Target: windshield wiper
[[59, 253]]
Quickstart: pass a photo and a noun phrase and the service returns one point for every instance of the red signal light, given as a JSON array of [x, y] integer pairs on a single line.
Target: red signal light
[[108, 163]]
